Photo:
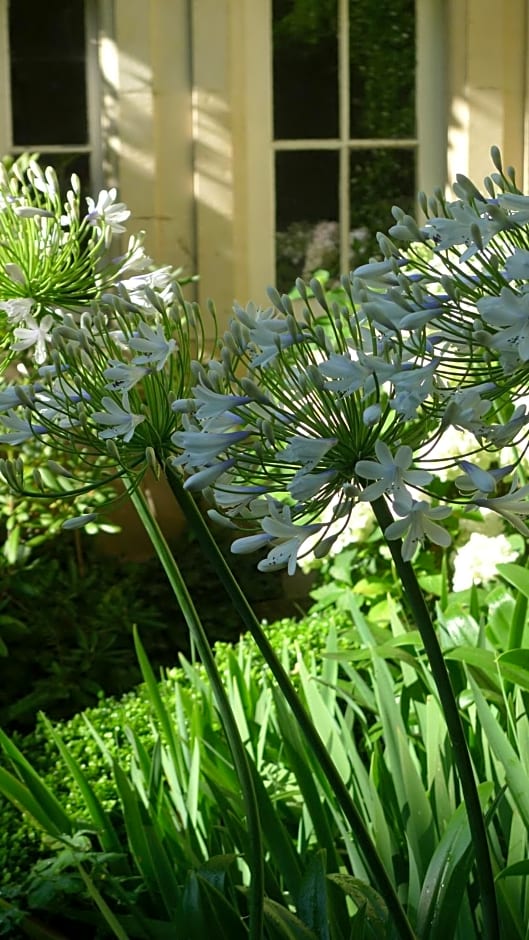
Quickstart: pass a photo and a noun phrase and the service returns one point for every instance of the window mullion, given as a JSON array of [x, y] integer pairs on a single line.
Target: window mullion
[[93, 93], [5, 83], [344, 208]]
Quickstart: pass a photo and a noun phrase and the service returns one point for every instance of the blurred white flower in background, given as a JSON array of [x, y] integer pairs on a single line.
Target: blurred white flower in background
[[452, 444], [476, 561], [359, 527]]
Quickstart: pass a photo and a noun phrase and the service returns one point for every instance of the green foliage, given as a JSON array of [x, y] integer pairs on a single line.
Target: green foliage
[[66, 617], [19, 845], [27, 523], [363, 570], [153, 807]]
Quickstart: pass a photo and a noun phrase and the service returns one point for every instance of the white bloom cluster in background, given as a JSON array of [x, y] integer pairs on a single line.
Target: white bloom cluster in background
[[476, 562], [360, 524]]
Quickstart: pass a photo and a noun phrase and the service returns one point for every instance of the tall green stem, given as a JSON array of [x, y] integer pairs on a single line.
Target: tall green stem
[[416, 602], [240, 757], [245, 612]]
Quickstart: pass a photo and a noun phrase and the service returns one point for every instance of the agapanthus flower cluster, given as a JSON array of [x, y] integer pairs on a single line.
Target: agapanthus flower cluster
[[55, 255], [463, 274], [335, 405], [103, 399], [302, 414]]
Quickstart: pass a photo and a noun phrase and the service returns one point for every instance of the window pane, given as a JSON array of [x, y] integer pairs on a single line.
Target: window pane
[[380, 179], [305, 63], [382, 68], [306, 215], [64, 165], [48, 76]]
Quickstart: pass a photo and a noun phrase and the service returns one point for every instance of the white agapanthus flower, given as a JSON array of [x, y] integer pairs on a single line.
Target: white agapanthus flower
[[154, 346], [390, 472], [122, 376], [19, 430], [35, 334], [117, 419], [284, 538], [18, 308], [418, 520], [509, 313], [107, 210]]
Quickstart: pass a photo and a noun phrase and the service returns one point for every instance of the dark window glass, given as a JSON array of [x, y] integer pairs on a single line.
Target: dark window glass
[[48, 72], [65, 164], [306, 214], [380, 179], [305, 64], [382, 68]]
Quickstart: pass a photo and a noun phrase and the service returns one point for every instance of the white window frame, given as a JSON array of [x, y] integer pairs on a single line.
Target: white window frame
[[232, 66], [429, 143], [344, 145]]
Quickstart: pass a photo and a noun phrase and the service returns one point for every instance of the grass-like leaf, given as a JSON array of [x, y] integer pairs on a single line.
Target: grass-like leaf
[[446, 879], [34, 797]]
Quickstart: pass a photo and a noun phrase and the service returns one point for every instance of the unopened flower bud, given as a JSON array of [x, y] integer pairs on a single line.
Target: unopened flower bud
[[152, 461], [32, 212], [79, 521], [386, 246], [302, 289], [254, 392], [58, 470], [422, 200], [319, 293], [25, 396], [465, 188], [267, 431], [495, 156], [197, 371], [112, 450], [489, 186], [371, 414], [275, 297], [15, 273]]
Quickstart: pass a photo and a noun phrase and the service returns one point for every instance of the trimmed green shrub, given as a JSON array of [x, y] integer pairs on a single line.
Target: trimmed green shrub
[[20, 846]]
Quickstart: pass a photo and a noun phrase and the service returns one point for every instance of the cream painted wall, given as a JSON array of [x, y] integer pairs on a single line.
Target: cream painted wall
[[487, 85], [148, 63], [232, 126], [193, 122], [192, 137]]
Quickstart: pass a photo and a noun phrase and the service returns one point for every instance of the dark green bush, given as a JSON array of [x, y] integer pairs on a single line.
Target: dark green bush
[[20, 845], [66, 620]]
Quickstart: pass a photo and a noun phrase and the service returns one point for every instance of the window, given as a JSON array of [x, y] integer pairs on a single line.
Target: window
[[50, 70], [344, 129]]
